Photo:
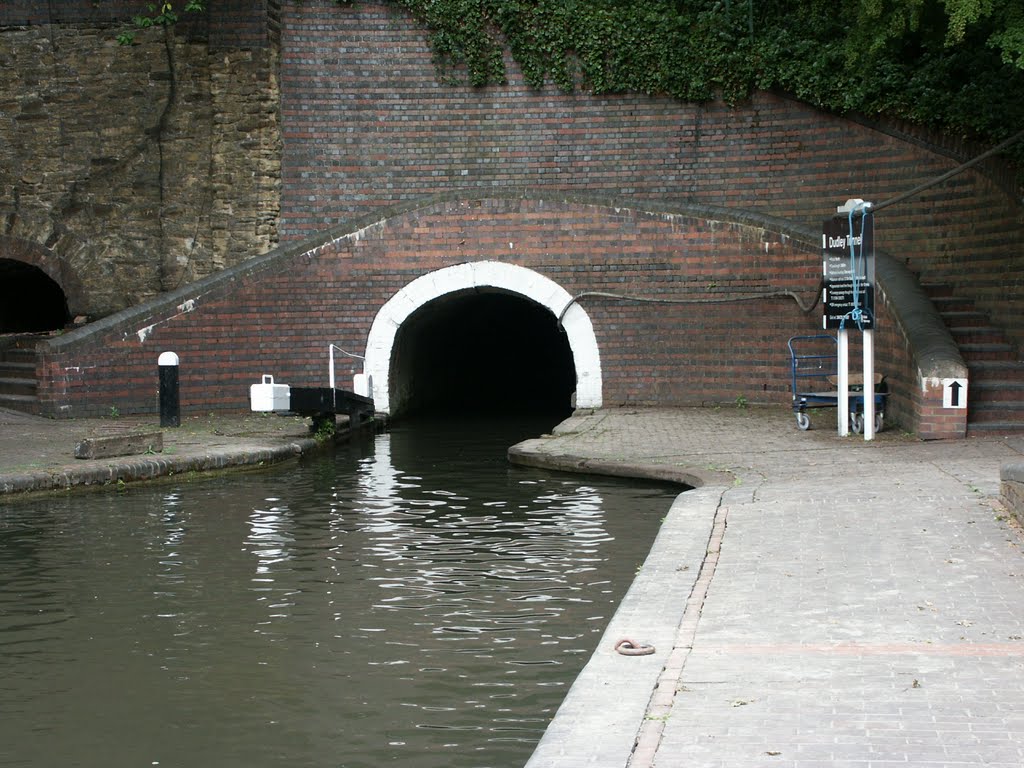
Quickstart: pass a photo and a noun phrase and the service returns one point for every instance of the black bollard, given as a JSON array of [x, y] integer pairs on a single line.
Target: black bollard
[[170, 405]]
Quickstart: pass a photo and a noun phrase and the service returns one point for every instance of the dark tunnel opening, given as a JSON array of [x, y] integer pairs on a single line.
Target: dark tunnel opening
[[482, 353], [30, 300]]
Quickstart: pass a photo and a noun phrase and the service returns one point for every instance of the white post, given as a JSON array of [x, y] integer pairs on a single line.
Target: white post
[[843, 370], [869, 384], [330, 378]]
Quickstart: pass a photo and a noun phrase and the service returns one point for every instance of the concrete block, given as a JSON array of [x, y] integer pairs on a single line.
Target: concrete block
[[120, 445]]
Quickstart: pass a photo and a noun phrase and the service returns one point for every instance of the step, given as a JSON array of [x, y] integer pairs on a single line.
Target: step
[[965, 317], [1003, 411], [997, 390], [1004, 416], [988, 371], [995, 428], [992, 428], [988, 351], [977, 334], [952, 304], [17, 386], [23, 403], [935, 290], [18, 370], [19, 355]]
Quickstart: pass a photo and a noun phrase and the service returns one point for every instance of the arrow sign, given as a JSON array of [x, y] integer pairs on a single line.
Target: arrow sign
[[954, 393]]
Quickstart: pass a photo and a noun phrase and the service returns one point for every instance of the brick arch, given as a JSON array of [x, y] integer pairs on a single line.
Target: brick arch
[[483, 274], [46, 259]]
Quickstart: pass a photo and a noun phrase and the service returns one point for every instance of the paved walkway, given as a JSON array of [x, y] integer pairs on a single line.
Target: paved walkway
[[817, 601], [820, 601], [38, 454]]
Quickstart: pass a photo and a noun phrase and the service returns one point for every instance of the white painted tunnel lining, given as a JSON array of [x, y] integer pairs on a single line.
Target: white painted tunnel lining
[[491, 274]]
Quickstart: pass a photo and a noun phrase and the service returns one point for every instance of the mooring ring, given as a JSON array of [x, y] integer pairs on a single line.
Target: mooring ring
[[628, 647]]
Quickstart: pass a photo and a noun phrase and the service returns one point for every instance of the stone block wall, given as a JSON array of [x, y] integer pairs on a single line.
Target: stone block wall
[[137, 169]]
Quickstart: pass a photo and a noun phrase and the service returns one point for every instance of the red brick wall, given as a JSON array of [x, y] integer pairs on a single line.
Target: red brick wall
[[278, 316], [366, 124]]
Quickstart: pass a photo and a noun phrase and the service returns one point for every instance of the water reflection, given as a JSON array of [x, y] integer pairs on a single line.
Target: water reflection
[[411, 599]]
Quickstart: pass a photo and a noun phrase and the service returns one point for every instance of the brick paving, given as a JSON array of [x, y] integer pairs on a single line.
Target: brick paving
[[38, 455], [862, 604]]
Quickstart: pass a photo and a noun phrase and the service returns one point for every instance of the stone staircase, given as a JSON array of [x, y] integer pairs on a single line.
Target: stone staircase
[[18, 373], [996, 390]]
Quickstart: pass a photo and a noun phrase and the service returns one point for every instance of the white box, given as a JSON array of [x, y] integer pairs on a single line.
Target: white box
[[362, 384], [268, 396]]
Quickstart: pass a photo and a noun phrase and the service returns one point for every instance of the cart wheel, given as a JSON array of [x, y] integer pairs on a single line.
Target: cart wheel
[[803, 420], [879, 418], [857, 422]]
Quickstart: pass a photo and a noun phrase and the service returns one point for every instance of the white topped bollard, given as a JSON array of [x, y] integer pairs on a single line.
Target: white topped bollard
[[170, 394]]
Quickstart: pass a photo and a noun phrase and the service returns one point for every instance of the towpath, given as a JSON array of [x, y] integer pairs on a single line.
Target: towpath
[[817, 601]]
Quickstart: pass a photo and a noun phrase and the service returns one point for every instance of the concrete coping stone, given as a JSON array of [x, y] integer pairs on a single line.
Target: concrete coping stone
[[585, 731], [1012, 471]]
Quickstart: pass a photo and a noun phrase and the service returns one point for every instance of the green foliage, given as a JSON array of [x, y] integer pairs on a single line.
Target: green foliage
[[957, 65], [160, 15], [952, 64], [325, 429]]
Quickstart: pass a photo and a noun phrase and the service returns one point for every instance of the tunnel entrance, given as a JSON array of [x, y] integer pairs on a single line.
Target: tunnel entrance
[[481, 352], [30, 300]]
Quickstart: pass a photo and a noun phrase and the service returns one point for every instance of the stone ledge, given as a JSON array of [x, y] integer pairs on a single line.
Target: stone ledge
[[1011, 488], [120, 445], [151, 467]]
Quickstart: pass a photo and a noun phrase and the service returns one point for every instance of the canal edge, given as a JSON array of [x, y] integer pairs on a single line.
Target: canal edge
[[614, 712]]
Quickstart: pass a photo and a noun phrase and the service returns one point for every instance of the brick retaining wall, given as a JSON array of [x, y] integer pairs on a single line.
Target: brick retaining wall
[[367, 124], [279, 318], [278, 313]]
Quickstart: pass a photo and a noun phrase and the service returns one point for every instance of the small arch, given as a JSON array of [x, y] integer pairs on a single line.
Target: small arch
[[30, 300], [485, 275]]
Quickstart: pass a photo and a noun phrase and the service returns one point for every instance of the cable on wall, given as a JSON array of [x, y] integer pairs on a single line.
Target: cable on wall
[[770, 294]]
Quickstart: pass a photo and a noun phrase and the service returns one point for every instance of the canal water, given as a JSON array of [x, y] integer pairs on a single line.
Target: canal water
[[408, 599]]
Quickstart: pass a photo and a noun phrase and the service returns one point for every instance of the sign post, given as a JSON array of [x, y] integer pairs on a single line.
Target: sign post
[[848, 270]]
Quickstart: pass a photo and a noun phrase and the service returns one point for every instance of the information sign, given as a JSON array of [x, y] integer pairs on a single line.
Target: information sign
[[848, 268]]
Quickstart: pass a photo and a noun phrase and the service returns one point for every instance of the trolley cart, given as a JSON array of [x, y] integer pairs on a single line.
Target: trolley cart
[[814, 367]]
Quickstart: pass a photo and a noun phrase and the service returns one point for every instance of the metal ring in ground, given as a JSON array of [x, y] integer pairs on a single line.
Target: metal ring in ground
[[628, 647]]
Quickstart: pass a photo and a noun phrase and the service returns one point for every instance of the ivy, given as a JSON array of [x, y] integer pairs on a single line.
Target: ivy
[[956, 65], [163, 14]]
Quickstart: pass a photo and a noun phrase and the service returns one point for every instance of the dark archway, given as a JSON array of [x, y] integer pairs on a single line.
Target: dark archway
[[30, 300], [482, 352]]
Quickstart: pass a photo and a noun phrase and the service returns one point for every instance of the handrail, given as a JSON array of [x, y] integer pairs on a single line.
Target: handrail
[[330, 354]]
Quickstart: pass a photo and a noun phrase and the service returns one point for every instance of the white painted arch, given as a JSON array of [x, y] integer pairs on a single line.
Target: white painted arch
[[482, 274]]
